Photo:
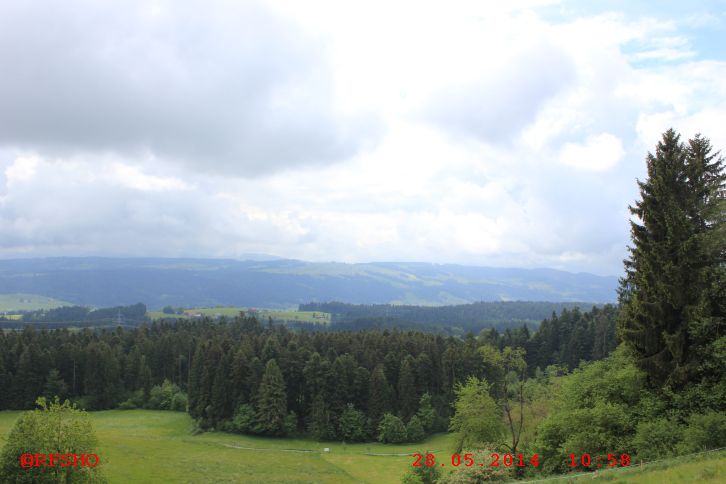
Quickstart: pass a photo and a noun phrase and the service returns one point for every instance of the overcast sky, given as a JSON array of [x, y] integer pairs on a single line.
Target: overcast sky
[[487, 133]]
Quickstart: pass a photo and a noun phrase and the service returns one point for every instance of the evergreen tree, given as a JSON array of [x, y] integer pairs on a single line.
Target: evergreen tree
[[220, 399], [407, 395], [319, 424], [5, 381], [675, 258], [352, 424], [391, 430], [28, 383], [426, 413], [272, 401], [145, 378], [414, 430], [379, 396], [102, 375], [55, 386], [197, 398]]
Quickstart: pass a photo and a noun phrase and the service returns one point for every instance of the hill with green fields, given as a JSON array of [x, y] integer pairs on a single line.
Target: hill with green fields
[[158, 446], [281, 284], [28, 302]]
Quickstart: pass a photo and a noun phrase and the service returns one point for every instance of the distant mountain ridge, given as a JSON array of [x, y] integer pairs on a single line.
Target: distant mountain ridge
[[157, 282]]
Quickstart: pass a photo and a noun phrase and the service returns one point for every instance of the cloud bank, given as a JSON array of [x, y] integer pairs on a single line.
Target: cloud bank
[[509, 135]]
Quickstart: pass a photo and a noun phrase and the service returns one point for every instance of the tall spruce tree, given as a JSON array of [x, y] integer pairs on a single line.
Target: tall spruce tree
[[379, 396], [272, 401], [407, 395], [667, 293]]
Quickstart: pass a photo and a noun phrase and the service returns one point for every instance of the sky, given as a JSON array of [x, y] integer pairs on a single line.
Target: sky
[[503, 134]]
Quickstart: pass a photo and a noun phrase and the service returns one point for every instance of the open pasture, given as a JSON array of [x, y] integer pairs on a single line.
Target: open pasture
[[262, 314], [157, 446]]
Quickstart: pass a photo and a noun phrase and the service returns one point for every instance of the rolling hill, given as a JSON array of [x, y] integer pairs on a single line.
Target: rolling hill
[[104, 282]]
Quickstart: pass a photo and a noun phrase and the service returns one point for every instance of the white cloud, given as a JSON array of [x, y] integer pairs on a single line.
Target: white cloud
[[467, 132], [22, 169], [133, 177], [599, 152], [222, 87]]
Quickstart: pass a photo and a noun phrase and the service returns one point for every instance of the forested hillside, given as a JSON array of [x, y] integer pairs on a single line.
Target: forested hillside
[[456, 319], [224, 366], [159, 282]]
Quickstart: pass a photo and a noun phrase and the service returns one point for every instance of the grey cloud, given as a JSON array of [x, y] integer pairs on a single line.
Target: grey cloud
[[52, 215], [220, 87], [496, 107]]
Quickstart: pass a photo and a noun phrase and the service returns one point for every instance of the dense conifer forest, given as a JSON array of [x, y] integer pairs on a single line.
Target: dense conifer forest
[[229, 368]]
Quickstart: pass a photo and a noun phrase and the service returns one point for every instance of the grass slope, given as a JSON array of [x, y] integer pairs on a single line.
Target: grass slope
[[28, 302], [277, 315], [156, 446], [707, 467]]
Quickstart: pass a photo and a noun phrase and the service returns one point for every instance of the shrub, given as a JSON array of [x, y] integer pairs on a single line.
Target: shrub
[[179, 402], [135, 400], [426, 413], [391, 430], [414, 429], [704, 431], [422, 474], [657, 438], [352, 424], [161, 396], [53, 428], [476, 473], [290, 424], [596, 412], [243, 421]]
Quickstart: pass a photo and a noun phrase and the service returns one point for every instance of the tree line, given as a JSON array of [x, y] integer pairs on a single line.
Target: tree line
[[472, 317], [265, 378]]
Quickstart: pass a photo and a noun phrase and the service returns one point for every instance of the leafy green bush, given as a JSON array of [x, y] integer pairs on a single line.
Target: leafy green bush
[[596, 412], [179, 402], [657, 439], [391, 430], [352, 424], [476, 474], [704, 431], [243, 421], [414, 429], [426, 412], [53, 428], [161, 395], [290, 424], [135, 400], [422, 474], [477, 419]]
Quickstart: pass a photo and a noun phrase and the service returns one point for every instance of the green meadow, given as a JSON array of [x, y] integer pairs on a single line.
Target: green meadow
[[157, 446], [277, 315], [28, 302], [706, 467]]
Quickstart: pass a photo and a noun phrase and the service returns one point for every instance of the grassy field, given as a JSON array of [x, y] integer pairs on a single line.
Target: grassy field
[[261, 314], [28, 302], [155, 446], [702, 468]]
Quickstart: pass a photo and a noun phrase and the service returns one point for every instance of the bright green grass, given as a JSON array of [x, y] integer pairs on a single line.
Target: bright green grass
[[701, 468], [261, 314], [155, 446], [28, 302]]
